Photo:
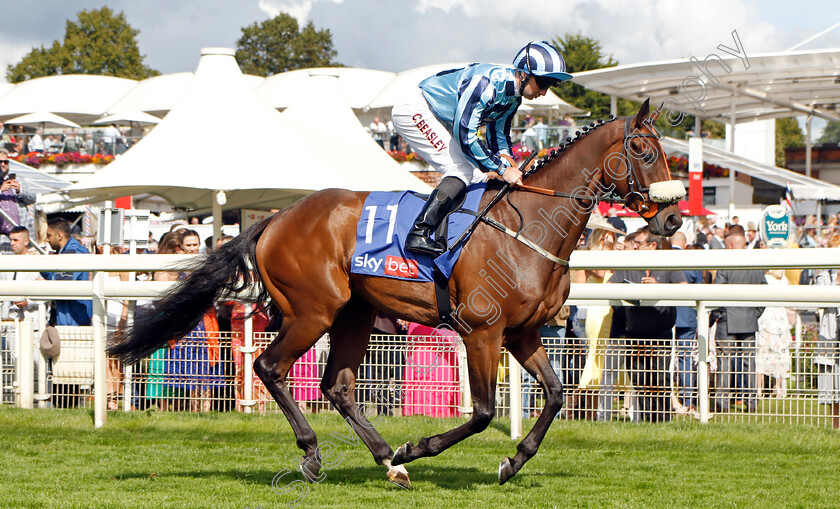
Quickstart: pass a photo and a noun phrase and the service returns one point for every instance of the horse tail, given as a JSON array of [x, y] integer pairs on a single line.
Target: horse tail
[[231, 268]]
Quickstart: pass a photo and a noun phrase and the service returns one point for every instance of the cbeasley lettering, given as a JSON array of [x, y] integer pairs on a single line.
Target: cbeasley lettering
[[368, 262]]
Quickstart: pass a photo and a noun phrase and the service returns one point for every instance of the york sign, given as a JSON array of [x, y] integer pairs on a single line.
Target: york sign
[[776, 227]]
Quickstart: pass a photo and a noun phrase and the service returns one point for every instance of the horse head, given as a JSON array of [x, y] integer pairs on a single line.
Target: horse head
[[637, 169]]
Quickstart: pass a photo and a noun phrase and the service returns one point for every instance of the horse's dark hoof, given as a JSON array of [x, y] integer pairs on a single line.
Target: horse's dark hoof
[[401, 456], [506, 471], [310, 468]]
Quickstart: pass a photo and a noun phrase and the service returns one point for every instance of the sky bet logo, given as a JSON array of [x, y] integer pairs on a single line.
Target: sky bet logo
[[400, 267], [394, 266]]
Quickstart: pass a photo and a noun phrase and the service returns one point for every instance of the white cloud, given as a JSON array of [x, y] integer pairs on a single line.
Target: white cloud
[[639, 31], [11, 53], [299, 9]]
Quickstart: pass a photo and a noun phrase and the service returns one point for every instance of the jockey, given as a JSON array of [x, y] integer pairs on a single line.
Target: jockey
[[441, 118]]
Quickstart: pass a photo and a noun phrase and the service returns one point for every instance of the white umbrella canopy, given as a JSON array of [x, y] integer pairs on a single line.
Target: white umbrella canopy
[[267, 161], [42, 118], [128, 117]]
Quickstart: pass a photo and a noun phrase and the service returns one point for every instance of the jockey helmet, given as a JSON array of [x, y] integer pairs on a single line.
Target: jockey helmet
[[542, 60]]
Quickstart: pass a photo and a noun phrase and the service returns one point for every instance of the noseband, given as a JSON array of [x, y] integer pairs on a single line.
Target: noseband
[[635, 199]]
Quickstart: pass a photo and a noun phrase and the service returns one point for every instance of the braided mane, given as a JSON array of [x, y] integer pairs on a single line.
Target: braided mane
[[556, 152]]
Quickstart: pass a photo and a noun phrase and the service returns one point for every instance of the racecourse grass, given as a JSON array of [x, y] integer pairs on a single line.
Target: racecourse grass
[[54, 458]]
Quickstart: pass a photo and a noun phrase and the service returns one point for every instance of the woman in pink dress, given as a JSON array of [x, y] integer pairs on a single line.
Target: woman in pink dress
[[431, 372]]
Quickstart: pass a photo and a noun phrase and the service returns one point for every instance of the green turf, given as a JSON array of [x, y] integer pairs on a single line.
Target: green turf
[[54, 458]]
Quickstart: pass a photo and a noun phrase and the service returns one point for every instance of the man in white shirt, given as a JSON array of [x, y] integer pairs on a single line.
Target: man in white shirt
[[379, 131]]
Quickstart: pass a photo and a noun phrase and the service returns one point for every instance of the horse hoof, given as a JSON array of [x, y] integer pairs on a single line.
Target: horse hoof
[[505, 471], [399, 476], [310, 468], [401, 456]]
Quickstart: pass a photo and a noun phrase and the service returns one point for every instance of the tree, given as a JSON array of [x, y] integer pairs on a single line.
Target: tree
[[99, 42], [831, 133], [585, 54], [278, 45], [788, 135]]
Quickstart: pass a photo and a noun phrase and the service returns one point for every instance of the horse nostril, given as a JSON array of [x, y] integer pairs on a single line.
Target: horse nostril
[[673, 223]]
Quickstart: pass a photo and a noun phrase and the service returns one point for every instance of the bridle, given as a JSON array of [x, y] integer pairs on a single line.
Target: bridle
[[634, 200]]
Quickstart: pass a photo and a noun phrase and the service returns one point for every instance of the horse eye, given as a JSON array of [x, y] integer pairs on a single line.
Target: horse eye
[[649, 158]]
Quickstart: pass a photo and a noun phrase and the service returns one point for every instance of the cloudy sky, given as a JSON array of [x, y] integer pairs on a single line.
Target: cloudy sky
[[395, 35]]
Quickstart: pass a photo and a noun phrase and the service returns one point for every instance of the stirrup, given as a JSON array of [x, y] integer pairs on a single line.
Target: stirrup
[[422, 244]]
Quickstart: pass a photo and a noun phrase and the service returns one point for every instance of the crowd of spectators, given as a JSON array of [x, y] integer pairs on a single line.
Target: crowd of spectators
[[611, 360], [110, 141]]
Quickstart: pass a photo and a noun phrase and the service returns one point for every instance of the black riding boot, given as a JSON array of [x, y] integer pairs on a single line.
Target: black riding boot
[[436, 208]]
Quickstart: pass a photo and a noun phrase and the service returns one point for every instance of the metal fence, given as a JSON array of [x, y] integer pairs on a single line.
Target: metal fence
[[604, 379]]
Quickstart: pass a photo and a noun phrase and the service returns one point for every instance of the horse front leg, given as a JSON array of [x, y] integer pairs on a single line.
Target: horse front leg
[[483, 352], [529, 352]]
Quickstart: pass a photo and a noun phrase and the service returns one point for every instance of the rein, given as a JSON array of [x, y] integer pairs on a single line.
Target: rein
[[634, 199]]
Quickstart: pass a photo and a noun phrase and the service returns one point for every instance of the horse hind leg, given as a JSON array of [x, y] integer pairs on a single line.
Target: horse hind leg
[[528, 351], [272, 367], [349, 338], [483, 352]]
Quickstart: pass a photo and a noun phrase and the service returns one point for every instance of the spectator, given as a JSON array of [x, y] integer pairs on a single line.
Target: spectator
[[67, 312], [393, 137], [5, 137], [773, 342], [735, 338], [15, 197], [529, 136], [649, 332], [597, 325], [827, 352], [752, 237], [574, 352], [156, 389], [116, 319], [89, 147], [431, 376], [566, 125], [110, 138], [615, 221], [17, 308], [716, 240], [685, 329], [194, 364], [378, 131], [809, 238], [52, 145], [72, 142], [542, 133], [36, 143]]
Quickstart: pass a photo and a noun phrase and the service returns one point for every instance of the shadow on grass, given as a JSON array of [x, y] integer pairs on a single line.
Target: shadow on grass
[[446, 478]]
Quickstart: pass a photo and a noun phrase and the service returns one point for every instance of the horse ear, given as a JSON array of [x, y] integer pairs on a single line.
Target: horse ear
[[642, 114]]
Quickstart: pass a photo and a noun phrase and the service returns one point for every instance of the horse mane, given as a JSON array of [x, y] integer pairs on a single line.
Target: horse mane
[[564, 146]]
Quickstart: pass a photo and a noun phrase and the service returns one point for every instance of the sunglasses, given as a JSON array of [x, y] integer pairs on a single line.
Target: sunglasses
[[4, 161], [546, 82]]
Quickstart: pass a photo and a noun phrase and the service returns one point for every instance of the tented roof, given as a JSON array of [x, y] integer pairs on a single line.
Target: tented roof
[[159, 94], [154, 95], [803, 187], [78, 97], [322, 107], [773, 84], [358, 86], [185, 161], [404, 82]]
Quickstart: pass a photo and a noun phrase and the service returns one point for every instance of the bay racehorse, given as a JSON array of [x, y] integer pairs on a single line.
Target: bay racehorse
[[302, 256]]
